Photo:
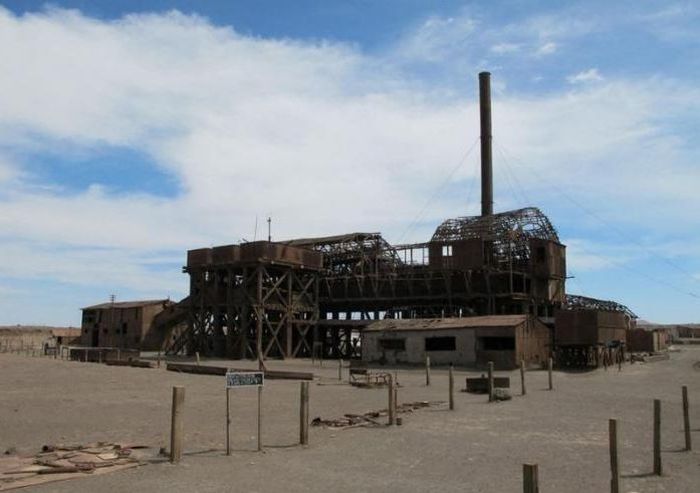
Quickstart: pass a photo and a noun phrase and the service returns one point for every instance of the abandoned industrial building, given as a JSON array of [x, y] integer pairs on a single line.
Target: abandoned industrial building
[[284, 299], [125, 324], [494, 283], [465, 341]]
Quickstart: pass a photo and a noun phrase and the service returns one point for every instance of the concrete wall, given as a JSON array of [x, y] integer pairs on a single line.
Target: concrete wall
[[464, 354], [23, 339], [34, 338], [531, 343]]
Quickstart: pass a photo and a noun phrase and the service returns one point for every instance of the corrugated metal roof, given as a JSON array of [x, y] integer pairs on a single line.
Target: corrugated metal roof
[[446, 323], [125, 304]]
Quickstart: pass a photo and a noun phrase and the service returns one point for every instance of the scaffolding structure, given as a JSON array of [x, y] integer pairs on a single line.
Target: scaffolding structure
[[255, 300]]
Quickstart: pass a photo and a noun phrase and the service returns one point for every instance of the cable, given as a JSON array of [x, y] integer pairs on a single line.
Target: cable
[[639, 273], [447, 179], [520, 188], [607, 223], [620, 233], [473, 182]]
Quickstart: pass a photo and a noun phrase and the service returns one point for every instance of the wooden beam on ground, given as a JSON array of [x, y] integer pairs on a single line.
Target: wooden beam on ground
[[221, 370]]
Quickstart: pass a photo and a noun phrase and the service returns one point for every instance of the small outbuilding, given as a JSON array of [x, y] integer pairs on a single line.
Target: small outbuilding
[[469, 341], [647, 341], [125, 324]]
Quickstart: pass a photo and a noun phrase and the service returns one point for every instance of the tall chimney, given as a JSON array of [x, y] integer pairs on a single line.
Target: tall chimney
[[486, 161]]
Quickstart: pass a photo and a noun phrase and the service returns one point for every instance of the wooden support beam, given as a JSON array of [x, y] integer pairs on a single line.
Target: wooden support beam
[[658, 470], [451, 389], [304, 414], [686, 419], [176, 424], [530, 478], [614, 458]]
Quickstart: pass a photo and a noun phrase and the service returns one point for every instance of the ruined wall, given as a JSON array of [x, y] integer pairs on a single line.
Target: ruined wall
[[415, 352], [586, 327]]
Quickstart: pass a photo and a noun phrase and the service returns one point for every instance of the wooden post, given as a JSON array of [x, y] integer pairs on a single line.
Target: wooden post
[[260, 418], [119, 354], [452, 389], [304, 414], [228, 420], [396, 403], [657, 437], [197, 356], [86, 355], [522, 377], [158, 361], [614, 459], [340, 369], [549, 371], [491, 396], [427, 371], [176, 424], [391, 408], [530, 479], [686, 419]]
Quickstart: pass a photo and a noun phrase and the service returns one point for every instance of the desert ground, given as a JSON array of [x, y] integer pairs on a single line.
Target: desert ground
[[478, 447]]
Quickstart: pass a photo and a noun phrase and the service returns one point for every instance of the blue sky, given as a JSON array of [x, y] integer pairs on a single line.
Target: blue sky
[[131, 131]]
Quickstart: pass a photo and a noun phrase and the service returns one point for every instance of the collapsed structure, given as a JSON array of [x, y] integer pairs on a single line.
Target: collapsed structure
[[284, 299]]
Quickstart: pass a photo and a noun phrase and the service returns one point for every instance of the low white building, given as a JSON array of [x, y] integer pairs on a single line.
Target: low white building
[[469, 341]]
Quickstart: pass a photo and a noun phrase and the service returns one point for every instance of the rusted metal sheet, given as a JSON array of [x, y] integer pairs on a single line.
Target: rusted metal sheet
[[585, 327], [226, 254], [263, 251], [198, 257]]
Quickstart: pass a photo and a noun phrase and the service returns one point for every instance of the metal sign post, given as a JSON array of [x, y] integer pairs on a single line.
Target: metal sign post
[[236, 379]]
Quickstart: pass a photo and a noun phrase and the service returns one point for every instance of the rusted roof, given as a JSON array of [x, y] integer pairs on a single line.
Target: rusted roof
[[415, 324], [126, 304], [529, 222], [301, 242]]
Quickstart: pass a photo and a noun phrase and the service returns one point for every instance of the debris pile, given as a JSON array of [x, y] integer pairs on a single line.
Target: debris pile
[[59, 462], [369, 419]]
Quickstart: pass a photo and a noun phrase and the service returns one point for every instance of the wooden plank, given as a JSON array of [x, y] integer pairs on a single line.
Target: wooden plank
[[614, 458], [221, 370], [657, 437]]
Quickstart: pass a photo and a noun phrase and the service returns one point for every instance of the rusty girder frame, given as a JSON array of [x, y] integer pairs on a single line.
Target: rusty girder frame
[[508, 233], [250, 310], [574, 302]]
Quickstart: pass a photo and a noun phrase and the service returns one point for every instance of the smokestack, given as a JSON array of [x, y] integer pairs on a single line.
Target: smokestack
[[486, 161]]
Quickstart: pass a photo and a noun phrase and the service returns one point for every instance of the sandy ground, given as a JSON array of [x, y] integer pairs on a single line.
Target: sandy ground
[[479, 447]]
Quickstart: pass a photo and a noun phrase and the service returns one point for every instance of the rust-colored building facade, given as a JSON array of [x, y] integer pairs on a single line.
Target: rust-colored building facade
[[125, 324], [647, 341]]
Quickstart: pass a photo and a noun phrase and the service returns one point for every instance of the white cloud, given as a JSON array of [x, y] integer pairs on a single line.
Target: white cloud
[[590, 75], [437, 39], [318, 135], [546, 48], [503, 48], [9, 171], [583, 255]]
